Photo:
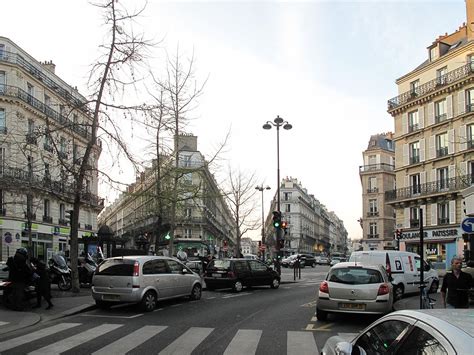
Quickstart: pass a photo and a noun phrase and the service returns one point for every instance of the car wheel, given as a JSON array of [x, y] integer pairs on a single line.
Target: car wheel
[[321, 315], [102, 304], [196, 293], [434, 287], [275, 283], [238, 286], [399, 291], [65, 283], [148, 302]]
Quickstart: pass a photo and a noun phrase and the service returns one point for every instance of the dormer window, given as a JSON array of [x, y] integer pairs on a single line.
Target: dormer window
[[414, 86], [433, 54]]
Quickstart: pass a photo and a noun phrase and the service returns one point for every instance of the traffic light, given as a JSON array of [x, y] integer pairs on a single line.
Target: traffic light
[[69, 216], [284, 226], [167, 236], [398, 233], [277, 219]]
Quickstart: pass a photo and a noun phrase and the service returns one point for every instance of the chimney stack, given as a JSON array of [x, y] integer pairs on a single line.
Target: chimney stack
[[470, 19]]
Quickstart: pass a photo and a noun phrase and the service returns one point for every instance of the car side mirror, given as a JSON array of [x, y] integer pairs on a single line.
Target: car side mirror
[[343, 348]]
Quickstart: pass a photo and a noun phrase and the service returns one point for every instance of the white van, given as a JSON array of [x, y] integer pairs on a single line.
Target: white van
[[403, 266]]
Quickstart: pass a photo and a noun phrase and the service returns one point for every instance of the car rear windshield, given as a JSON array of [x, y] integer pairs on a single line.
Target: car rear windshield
[[220, 264], [355, 276], [116, 267]]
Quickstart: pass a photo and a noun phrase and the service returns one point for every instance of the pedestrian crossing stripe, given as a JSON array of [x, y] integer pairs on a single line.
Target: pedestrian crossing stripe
[[245, 341], [3, 323]]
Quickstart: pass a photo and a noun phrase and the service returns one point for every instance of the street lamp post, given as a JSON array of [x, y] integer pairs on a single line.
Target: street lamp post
[[278, 122], [261, 189]]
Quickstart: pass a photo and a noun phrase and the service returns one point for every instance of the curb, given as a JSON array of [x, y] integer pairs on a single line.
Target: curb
[[70, 312]]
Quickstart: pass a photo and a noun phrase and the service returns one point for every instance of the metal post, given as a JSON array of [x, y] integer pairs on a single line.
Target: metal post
[[422, 278]]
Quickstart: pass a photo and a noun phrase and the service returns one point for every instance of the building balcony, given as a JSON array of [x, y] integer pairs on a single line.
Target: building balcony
[[414, 223], [62, 222], [372, 236], [373, 214], [439, 187], [444, 220], [413, 127], [48, 219], [375, 167], [373, 190], [441, 118], [441, 152], [17, 93], [415, 159], [431, 86]]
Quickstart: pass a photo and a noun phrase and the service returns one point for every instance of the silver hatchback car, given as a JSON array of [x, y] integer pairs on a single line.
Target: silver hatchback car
[[143, 280], [354, 288]]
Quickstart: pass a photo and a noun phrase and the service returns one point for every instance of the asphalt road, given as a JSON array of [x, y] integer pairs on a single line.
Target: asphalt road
[[258, 320]]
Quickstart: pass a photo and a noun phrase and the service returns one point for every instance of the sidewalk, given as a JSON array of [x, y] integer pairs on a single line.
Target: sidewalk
[[413, 301], [65, 303]]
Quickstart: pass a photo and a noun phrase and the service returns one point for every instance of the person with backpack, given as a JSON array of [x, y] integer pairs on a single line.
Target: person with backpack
[[20, 274]]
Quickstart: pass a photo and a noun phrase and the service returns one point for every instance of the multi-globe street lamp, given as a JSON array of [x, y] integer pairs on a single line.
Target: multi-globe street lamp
[[278, 122], [261, 189]]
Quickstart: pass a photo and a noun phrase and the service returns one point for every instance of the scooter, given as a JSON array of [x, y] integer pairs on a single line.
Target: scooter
[[59, 272], [86, 268]]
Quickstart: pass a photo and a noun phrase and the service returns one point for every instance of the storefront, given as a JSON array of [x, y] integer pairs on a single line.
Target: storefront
[[439, 245]]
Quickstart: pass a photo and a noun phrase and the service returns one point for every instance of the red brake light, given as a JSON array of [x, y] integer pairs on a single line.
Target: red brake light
[[383, 290], [136, 268], [324, 287], [387, 264], [230, 274]]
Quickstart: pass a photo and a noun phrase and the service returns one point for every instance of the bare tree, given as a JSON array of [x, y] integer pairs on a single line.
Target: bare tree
[[241, 197]]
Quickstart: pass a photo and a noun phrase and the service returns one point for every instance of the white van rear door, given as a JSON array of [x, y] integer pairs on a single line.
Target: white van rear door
[[411, 274]]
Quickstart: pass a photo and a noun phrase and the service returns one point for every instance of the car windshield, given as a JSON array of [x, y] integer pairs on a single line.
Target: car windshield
[[221, 264], [355, 276], [59, 260]]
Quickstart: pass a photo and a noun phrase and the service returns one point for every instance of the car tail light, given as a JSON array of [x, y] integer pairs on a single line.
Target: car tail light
[[324, 287], [136, 268], [387, 265], [231, 274], [383, 290]]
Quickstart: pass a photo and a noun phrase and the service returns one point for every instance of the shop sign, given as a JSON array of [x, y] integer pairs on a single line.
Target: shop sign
[[432, 234], [60, 230]]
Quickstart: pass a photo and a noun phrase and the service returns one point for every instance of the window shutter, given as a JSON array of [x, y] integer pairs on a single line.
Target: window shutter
[[422, 177], [434, 214], [449, 106], [422, 149], [423, 207], [404, 123], [452, 171], [462, 137], [430, 113], [461, 102], [366, 160], [421, 116], [433, 175], [463, 168], [432, 147], [406, 217], [407, 181], [405, 154], [451, 141], [377, 159], [452, 212]]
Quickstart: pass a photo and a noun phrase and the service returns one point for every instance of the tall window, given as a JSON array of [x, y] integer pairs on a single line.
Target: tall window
[[373, 230], [3, 121], [440, 111], [47, 100], [287, 207], [413, 121], [442, 176], [415, 183], [287, 196], [31, 127], [3, 159], [47, 174], [188, 233], [2, 82], [187, 161], [373, 161], [2, 51], [441, 75], [372, 184], [443, 213], [414, 86], [30, 165], [2, 202], [470, 100], [442, 145], [414, 152], [62, 211], [373, 211], [414, 217], [46, 207], [31, 92], [188, 212], [470, 136]]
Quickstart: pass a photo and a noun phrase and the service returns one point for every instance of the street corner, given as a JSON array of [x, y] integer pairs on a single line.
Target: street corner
[[14, 320]]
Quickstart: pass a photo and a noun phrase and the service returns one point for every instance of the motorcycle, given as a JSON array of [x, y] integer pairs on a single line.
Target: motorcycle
[[86, 268], [6, 290], [59, 272]]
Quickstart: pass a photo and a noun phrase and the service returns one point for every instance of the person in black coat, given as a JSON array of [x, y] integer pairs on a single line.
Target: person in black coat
[[19, 273], [43, 283]]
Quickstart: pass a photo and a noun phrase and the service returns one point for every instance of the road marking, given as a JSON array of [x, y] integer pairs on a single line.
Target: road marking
[[309, 304], [210, 298], [301, 343], [187, 342], [107, 316], [237, 295], [76, 340], [314, 319], [3, 323], [244, 342], [28, 338], [131, 341], [158, 309], [323, 328]]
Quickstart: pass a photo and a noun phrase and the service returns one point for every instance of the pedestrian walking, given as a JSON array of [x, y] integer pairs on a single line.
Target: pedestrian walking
[[43, 283], [456, 285], [19, 273]]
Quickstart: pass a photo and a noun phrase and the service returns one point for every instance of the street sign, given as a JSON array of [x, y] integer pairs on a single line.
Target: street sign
[[467, 225], [8, 237]]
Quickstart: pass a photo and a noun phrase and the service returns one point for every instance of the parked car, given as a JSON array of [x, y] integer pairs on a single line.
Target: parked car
[[335, 261], [144, 280], [403, 266], [429, 331], [289, 261], [322, 260], [305, 260], [354, 288], [239, 273], [196, 266]]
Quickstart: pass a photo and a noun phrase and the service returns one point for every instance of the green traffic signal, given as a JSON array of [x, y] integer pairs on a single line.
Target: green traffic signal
[[167, 236]]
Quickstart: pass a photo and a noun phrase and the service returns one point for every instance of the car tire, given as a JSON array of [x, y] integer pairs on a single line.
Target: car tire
[[398, 292], [65, 283], [434, 287], [196, 293], [275, 283], [321, 315], [238, 286], [148, 302], [102, 304]]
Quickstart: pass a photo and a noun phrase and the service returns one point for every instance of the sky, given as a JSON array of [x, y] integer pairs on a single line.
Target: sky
[[327, 67]]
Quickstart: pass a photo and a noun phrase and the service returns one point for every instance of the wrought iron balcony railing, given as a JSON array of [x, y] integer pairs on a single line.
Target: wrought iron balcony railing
[[414, 127], [17, 59], [436, 187], [415, 159], [432, 85], [16, 92], [48, 219], [372, 214], [443, 220], [376, 167], [372, 190], [440, 118], [372, 236], [414, 223], [441, 152]]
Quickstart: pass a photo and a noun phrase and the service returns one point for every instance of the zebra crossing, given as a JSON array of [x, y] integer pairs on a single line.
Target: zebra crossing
[[244, 341]]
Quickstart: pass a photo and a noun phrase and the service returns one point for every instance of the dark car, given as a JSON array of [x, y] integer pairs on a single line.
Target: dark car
[[239, 273], [308, 260]]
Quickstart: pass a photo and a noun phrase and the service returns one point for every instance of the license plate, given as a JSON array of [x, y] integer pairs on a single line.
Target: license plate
[[358, 306], [216, 275], [111, 297]]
